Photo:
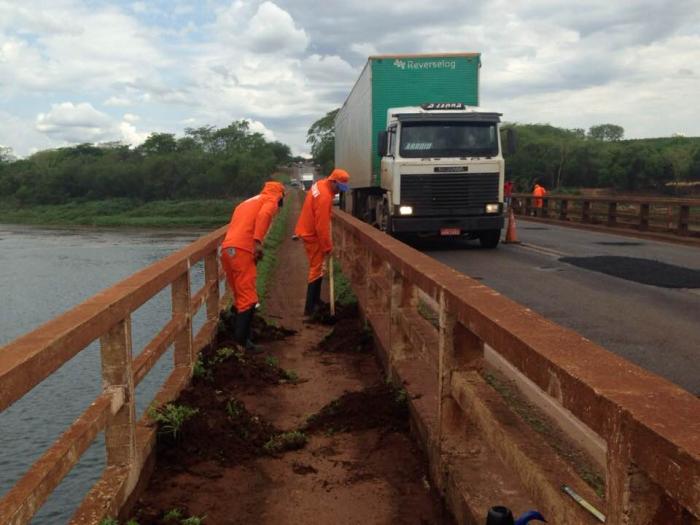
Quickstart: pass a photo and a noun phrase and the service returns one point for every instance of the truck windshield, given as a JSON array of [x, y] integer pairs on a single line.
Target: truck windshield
[[448, 139]]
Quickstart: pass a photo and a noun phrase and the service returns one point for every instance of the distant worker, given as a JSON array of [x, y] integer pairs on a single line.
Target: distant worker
[[242, 250], [507, 193], [314, 228], [538, 193]]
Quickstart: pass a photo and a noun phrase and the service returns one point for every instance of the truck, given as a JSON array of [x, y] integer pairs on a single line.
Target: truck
[[307, 177], [424, 159]]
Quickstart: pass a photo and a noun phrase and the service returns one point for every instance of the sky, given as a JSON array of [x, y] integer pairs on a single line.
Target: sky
[[75, 71]]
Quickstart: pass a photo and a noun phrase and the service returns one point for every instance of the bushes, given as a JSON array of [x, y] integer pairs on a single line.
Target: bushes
[[205, 163]]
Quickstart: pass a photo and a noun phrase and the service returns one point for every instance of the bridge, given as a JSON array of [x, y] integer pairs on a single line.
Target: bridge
[[474, 337]]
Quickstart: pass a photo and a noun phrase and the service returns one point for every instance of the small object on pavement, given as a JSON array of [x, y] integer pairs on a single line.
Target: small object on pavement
[[579, 499], [295, 237]]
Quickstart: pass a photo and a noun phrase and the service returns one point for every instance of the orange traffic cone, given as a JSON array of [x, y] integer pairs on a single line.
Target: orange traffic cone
[[511, 237]]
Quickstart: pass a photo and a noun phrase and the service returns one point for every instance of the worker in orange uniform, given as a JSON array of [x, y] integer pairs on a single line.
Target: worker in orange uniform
[[538, 193], [242, 250], [314, 228]]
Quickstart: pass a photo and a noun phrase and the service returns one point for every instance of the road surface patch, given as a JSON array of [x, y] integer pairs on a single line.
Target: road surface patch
[[644, 271]]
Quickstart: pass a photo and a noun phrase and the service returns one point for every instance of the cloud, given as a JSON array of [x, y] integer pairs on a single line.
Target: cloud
[[70, 123], [284, 63], [75, 123], [272, 30]]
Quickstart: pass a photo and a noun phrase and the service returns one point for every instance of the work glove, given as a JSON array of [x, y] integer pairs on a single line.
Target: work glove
[[258, 252]]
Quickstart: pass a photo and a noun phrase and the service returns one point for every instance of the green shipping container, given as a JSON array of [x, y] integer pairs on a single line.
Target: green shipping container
[[397, 81]]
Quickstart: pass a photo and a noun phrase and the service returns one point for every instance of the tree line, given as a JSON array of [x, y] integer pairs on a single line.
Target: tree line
[[563, 159], [206, 162], [600, 158]]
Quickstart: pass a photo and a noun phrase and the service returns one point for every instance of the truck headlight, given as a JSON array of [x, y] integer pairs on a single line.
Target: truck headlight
[[492, 208], [406, 210]]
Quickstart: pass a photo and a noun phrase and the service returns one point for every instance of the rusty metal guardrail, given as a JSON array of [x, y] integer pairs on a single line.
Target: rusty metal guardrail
[[680, 217], [651, 426], [28, 360]]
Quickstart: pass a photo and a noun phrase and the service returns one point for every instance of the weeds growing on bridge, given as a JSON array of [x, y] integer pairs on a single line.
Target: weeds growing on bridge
[[170, 417]]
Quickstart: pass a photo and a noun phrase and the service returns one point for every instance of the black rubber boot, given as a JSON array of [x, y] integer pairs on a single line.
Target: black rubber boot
[[309, 306], [244, 321], [317, 292], [313, 297]]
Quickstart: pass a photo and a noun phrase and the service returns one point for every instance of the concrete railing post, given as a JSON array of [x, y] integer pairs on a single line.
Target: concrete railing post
[[644, 216], [117, 374], [181, 297], [612, 213], [586, 211], [211, 274], [563, 209], [403, 295], [631, 497], [683, 219]]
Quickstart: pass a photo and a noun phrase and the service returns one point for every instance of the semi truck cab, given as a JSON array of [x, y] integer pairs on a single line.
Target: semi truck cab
[[441, 173]]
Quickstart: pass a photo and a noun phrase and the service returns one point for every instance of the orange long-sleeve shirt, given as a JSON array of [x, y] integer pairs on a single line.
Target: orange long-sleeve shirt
[[315, 218], [251, 219]]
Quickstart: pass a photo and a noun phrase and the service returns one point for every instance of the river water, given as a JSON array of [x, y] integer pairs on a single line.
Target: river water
[[43, 273]]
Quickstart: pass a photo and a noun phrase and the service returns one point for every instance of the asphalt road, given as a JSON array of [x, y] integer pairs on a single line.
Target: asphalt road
[[656, 327]]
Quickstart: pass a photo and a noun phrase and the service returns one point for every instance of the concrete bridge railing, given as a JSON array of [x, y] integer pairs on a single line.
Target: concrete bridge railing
[[678, 217], [649, 427], [28, 360]]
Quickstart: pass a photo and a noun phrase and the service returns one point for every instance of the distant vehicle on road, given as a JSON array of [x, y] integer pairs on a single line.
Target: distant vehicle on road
[[307, 180]]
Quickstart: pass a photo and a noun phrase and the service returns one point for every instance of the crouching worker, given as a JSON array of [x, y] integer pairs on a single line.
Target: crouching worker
[[242, 250], [314, 228]]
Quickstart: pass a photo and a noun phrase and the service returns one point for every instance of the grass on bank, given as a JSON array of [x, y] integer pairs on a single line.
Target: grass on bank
[[200, 213]]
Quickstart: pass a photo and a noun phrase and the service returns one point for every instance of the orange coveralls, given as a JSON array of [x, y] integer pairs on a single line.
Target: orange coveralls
[[538, 193], [249, 223], [314, 226]]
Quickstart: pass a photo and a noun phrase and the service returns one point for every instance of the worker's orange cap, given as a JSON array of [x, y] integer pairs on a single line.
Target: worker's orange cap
[[339, 175], [273, 186]]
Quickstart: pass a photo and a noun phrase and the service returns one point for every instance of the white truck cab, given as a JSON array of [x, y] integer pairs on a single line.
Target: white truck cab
[[442, 172]]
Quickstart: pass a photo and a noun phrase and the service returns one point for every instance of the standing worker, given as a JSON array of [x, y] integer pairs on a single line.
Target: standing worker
[[242, 250], [538, 193], [314, 228], [507, 193]]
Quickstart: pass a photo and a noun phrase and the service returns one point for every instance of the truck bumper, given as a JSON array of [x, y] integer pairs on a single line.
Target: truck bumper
[[435, 224]]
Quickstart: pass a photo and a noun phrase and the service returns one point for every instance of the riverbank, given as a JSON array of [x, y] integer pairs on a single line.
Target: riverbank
[[115, 213]]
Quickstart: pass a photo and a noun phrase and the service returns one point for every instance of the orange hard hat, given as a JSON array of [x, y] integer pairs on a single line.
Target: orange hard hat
[[273, 186], [340, 177]]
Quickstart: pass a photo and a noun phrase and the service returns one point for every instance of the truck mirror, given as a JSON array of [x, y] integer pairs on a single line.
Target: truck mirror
[[382, 142], [511, 141]]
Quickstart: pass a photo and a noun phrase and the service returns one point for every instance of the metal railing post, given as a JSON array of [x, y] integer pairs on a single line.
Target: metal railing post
[[117, 374]]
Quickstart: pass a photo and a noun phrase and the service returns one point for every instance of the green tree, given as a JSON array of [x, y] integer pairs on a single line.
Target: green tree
[[158, 144], [321, 136], [606, 132]]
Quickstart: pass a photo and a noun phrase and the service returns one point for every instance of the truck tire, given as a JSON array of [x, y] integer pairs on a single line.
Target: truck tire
[[489, 239]]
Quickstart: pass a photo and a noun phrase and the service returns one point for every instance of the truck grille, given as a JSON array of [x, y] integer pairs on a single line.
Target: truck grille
[[449, 193]]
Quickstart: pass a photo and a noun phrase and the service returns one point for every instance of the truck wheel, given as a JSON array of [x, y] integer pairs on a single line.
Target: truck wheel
[[489, 239]]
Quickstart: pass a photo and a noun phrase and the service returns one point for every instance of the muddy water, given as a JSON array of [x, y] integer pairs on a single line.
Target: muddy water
[[44, 272]]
